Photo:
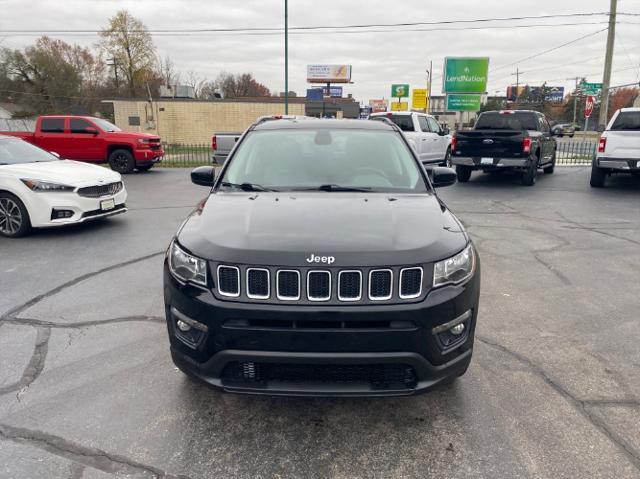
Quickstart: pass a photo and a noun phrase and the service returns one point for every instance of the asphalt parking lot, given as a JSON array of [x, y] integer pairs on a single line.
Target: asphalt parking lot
[[88, 390]]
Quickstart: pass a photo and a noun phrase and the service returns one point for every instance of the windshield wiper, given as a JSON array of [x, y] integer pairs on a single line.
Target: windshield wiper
[[333, 187], [247, 186]]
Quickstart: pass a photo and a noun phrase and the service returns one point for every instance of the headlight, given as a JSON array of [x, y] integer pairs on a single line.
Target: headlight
[[456, 269], [144, 141], [186, 267], [36, 185]]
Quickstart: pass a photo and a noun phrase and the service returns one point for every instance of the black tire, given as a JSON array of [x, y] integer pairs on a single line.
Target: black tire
[[548, 170], [122, 161], [145, 167], [531, 173], [598, 176], [463, 173], [14, 217], [447, 159]]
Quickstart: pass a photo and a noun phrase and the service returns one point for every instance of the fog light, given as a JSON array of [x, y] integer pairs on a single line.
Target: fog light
[[188, 330], [61, 214], [458, 329], [184, 327]]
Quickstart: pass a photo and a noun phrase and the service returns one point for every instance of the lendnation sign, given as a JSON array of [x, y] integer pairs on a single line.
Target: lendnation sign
[[465, 75], [463, 102]]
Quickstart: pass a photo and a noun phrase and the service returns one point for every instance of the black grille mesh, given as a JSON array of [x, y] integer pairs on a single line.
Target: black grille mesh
[[410, 282], [288, 284], [100, 190], [258, 282], [229, 281], [380, 284], [349, 287], [319, 285]]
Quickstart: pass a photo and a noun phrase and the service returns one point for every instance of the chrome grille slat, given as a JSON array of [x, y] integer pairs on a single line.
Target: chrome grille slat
[[380, 284], [410, 282], [318, 285], [229, 281], [350, 285], [288, 284], [258, 286]]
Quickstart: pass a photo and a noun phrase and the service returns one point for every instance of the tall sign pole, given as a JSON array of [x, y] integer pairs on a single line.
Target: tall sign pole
[[286, 57], [606, 78]]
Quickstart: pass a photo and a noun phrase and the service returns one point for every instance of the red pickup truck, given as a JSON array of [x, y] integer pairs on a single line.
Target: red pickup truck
[[85, 138]]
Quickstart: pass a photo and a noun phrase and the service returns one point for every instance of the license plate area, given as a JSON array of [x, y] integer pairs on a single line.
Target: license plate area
[[106, 205], [486, 161]]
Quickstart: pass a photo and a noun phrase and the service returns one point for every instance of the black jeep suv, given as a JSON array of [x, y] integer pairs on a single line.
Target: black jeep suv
[[322, 263]]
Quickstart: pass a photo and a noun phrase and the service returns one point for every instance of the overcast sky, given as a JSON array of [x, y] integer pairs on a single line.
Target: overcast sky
[[378, 58]]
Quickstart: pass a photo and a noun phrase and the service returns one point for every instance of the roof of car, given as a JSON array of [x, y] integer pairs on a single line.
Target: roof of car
[[316, 124], [630, 109]]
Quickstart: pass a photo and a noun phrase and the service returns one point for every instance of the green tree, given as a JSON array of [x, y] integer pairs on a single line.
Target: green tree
[[127, 41]]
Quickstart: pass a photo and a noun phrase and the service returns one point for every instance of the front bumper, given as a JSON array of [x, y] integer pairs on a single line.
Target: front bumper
[[145, 156], [489, 163], [620, 164], [318, 346]]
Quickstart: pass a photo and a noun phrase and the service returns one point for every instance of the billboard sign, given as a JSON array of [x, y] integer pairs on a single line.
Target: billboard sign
[[463, 102], [335, 92], [588, 106], [328, 73], [399, 106], [419, 99], [554, 94], [378, 106], [314, 94], [535, 94], [400, 90], [465, 75]]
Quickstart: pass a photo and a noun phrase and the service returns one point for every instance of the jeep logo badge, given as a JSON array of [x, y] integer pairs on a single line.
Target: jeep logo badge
[[320, 259]]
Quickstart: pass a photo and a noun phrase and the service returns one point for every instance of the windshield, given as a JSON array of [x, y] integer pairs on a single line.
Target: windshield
[[404, 122], [14, 152], [627, 120], [105, 125], [495, 120], [326, 159]]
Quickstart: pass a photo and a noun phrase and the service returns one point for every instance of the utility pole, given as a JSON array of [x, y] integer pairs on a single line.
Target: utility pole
[[606, 78], [286, 57], [575, 98], [517, 74]]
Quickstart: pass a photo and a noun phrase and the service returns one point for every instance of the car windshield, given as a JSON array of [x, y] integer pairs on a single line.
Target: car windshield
[[627, 120], [105, 125], [324, 159], [495, 120], [14, 152]]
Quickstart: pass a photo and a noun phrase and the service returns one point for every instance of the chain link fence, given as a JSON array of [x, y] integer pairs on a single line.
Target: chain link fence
[[569, 153]]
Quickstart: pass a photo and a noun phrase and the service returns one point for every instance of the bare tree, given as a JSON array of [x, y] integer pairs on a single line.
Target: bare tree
[[168, 72]]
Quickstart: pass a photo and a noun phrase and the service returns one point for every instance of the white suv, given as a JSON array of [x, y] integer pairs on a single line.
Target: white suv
[[619, 147]]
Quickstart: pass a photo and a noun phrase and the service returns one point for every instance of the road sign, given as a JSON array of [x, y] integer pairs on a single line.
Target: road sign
[[465, 75], [398, 106], [588, 106], [590, 88], [463, 102], [419, 99], [400, 90]]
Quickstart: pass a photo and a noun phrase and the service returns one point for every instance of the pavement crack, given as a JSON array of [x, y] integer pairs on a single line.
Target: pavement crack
[[35, 365], [83, 324], [87, 456], [579, 405]]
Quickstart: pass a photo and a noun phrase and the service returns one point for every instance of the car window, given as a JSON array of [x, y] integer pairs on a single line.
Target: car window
[[433, 124], [543, 125], [52, 125], [105, 125], [507, 120], [78, 125], [307, 158], [404, 122], [424, 124], [14, 151], [627, 120]]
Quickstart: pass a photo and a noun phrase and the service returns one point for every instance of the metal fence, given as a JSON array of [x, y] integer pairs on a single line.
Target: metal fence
[[569, 153]]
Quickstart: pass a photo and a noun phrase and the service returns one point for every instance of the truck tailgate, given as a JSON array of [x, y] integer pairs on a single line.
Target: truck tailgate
[[622, 144], [489, 143]]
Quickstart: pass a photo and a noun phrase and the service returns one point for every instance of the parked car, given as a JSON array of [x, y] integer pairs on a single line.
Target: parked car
[[38, 190], [563, 129], [94, 140], [618, 147], [431, 141], [339, 271], [505, 140], [221, 146]]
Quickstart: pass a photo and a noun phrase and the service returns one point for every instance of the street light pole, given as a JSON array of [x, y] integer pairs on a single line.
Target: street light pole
[[606, 78], [286, 57]]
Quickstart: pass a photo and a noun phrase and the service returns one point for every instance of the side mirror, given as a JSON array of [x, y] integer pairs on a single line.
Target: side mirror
[[57, 155], [443, 176], [203, 176], [445, 130]]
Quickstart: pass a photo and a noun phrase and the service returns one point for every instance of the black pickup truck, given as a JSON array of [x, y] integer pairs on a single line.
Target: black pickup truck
[[510, 139]]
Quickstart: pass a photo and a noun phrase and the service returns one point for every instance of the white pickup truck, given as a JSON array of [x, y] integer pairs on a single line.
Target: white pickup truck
[[431, 141], [618, 147]]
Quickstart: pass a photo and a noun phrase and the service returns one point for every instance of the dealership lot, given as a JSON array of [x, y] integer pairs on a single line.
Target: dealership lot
[[87, 387]]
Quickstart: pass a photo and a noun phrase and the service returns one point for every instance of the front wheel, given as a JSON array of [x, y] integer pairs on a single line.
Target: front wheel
[[122, 161], [463, 173], [598, 176], [447, 159], [14, 217]]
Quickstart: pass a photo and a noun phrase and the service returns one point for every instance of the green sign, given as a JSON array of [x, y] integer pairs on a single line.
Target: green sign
[[463, 102], [590, 88], [465, 75], [400, 91]]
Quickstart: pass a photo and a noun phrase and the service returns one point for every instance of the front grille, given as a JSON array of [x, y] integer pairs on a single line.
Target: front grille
[[349, 285], [229, 281], [377, 376], [319, 285], [410, 283], [258, 283], [380, 284], [100, 190], [288, 285]]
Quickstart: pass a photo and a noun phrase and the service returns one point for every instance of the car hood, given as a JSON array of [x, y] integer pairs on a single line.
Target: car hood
[[68, 172], [357, 229]]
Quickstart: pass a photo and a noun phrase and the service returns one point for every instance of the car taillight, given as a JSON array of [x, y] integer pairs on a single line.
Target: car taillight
[[526, 145], [602, 145], [454, 144], [214, 143]]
